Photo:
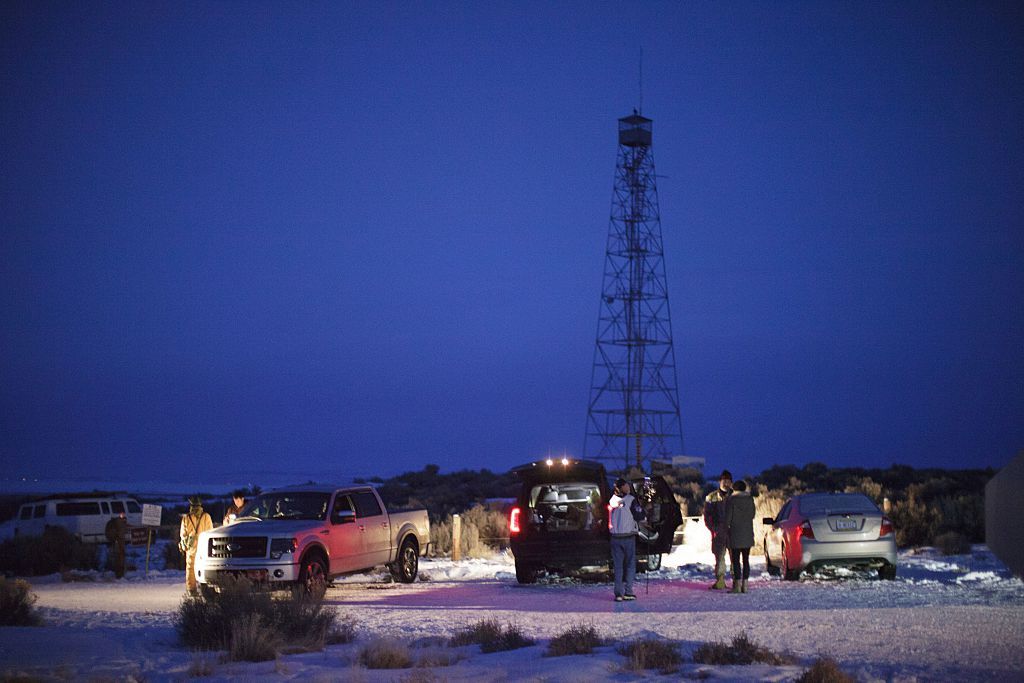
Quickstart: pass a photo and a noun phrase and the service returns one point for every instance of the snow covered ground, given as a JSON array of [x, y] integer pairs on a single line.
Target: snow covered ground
[[943, 619]]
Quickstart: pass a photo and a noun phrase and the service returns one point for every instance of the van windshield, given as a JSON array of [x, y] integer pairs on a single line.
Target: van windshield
[[571, 506], [288, 505]]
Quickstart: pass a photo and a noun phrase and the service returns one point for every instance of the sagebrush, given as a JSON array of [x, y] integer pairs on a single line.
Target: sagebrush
[[261, 621], [17, 604], [578, 640], [742, 650], [651, 653], [491, 636], [825, 670], [56, 550]]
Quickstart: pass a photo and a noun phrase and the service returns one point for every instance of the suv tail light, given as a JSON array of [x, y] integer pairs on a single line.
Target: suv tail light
[[513, 521], [886, 527], [806, 531]]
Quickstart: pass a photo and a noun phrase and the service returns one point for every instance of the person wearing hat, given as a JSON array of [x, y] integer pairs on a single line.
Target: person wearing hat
[[194, 523], [714, 520], [625, 512]]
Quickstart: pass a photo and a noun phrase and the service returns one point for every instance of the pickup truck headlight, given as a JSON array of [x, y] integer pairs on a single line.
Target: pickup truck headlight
[[280, 546]]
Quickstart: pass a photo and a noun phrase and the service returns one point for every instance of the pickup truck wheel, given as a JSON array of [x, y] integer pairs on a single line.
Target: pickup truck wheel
[[525, 573], [408, 562], [313, 577]]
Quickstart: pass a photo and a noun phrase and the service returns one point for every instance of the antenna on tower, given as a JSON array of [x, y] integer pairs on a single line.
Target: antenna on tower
[[641, 80]]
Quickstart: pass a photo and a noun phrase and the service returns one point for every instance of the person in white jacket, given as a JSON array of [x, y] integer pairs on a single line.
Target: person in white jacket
[[623, 528]]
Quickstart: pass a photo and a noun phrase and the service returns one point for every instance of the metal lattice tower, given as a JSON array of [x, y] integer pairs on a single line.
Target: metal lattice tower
[[633, 414]]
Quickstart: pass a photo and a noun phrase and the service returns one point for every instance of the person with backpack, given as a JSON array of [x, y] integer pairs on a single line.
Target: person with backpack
[[194, 523], [626, 513]]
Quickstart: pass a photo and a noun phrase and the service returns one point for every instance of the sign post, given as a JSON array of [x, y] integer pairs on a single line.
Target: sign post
[[150, 517]]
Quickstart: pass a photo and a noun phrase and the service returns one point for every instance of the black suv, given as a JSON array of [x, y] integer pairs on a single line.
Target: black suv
[[560, 520]]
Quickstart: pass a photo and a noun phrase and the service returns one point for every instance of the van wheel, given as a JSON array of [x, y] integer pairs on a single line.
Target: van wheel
[[313, 577], [408, 562], [207, 591], [887, 572], [525, 573]]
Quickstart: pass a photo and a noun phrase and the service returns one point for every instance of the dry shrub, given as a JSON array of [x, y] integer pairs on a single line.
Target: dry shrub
[[952, 543], [296, 622], [435, 657], [492, 637], [741, 651], [55, 551], [252, 640], [201, 667], [578, 640], [825, 671], [17, 604], [484, 533], [651, 653], [341, 634], [385, 654]]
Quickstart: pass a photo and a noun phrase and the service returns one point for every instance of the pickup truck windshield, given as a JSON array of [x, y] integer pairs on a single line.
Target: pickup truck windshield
[[287, 506]]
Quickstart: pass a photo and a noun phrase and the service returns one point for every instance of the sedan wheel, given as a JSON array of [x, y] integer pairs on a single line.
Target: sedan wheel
[[787, 573], [772, 569]]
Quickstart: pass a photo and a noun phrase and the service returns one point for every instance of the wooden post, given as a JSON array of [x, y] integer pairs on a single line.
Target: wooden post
[[149, 542], [456, 538]]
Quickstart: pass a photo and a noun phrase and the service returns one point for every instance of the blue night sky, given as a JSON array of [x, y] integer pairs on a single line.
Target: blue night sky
[[364, 237]]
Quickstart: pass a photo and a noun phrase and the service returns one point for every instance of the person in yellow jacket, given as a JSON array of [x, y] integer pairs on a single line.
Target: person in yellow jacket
[[194, 523]]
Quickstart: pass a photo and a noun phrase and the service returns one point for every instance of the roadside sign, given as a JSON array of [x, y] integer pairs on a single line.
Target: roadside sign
[[151, 514], [138, 535]]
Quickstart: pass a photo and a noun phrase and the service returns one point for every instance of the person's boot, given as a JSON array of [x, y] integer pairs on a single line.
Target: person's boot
[[743, 586], [719, 584], [736, 583]]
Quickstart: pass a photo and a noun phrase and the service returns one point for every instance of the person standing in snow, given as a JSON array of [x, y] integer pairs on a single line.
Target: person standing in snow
[[739, 519], [194, 523], [625, 512], [115, 532], [714, 520]]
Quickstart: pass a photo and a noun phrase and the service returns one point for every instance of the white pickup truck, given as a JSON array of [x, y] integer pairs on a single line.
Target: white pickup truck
[[303, 536]]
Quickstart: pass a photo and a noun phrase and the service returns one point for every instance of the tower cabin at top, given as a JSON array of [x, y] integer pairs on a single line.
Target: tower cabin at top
[[635, 131]]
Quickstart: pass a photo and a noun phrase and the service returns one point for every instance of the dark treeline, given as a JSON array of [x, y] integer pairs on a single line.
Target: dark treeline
[[928, 506]]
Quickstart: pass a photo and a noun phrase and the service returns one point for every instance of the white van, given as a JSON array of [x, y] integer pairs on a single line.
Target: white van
[[84, 516]]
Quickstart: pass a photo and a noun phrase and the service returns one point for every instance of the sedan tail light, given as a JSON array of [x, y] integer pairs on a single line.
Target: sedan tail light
[[886, 527], [806, 531], [513, 521]]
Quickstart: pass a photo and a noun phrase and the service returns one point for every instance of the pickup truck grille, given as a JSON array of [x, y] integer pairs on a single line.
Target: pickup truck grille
[[238, 546]]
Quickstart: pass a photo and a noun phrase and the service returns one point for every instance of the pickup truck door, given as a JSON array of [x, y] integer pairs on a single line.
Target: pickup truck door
[[374, 526], [344, 540]]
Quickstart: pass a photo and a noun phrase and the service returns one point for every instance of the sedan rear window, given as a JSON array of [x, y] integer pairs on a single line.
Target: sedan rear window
[[836, 504]]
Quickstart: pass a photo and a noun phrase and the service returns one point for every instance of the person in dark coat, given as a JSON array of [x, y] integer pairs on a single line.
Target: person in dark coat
[[115, 532], [714, 520], [739, 518], [237, 503]]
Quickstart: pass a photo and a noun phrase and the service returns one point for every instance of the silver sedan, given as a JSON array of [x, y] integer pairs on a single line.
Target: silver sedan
[[829, 529]]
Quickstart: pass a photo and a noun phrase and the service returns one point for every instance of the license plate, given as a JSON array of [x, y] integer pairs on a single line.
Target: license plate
[[846, 524]]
